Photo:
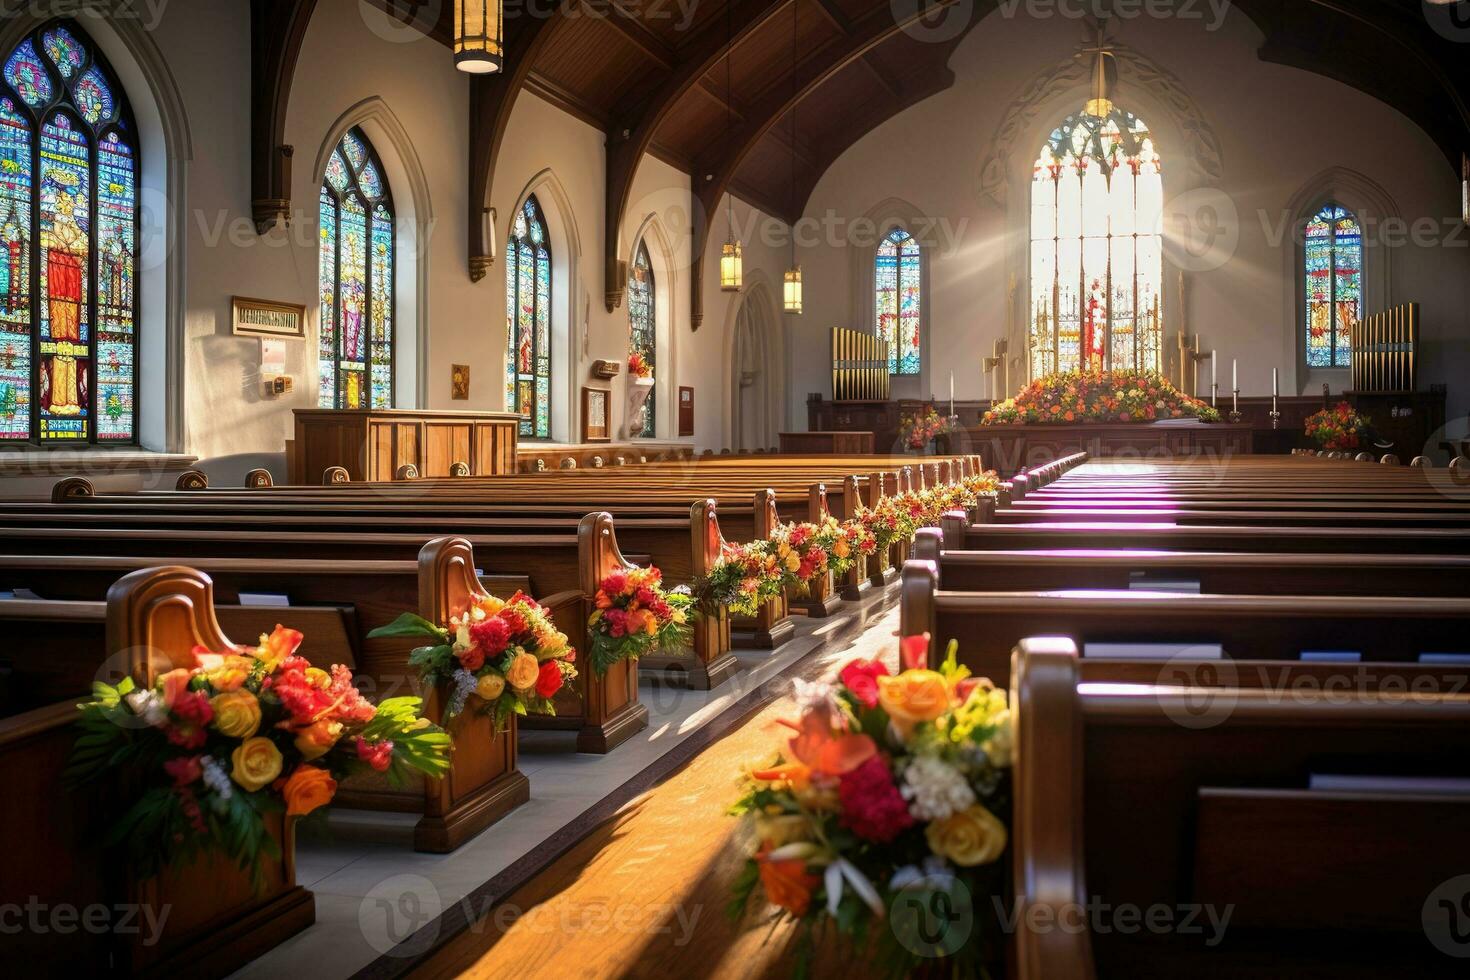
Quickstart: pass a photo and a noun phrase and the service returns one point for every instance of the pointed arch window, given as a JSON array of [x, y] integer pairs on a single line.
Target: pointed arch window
[[69, 230], [896, 299], [1333, 254], [1097, 271], [355, 344], [643, 326], [528, 321]]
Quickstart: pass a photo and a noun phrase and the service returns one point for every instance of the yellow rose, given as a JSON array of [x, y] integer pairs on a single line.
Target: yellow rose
[[231, 673], [317, 739], [255, 763], [968, 838], [840, 549], [523, 672], [912, 697], [490, 686], [793, 562], [236, 713], [307, 789]]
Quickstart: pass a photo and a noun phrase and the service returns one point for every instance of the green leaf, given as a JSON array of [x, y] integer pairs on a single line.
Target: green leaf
[[411, 624]]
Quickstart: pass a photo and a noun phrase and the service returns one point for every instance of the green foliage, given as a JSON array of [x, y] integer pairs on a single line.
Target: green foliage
[[411, 625]]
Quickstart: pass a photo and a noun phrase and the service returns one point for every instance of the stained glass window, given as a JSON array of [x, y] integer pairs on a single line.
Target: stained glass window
[[896, 284], [355, 280], [643, 328], [1334, 286], [1097, 271], [68, 246], [528, 321]]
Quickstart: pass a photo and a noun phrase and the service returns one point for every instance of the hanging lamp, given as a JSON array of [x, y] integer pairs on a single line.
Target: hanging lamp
[[791, 286], [478, 26], [732, 265]]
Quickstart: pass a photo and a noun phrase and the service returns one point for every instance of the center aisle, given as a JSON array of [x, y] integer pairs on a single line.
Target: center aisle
[[644, 895]]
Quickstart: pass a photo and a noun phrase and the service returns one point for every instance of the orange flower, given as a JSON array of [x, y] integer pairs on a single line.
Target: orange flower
[[787, 883], [796, 776], [823, 752], [912, 697], [279, 645], [307, 789]]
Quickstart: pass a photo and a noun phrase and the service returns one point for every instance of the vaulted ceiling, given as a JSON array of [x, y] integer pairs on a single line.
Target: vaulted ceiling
[[710, 86]]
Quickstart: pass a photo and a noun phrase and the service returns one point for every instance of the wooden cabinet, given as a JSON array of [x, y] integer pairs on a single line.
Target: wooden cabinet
[[372, 445]]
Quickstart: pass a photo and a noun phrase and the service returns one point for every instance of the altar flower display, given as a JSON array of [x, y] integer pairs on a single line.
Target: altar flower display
[[918, 430], [1337, 428], [638, 366], [887, 787], [1098, 396], [210, 750], [633, 614], [505, 654]]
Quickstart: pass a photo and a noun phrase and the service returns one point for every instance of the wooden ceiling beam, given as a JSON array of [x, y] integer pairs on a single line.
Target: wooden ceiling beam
[[843, 23], [628, 24], [492, 97], [714, 171], [631, 135], [277, 28]]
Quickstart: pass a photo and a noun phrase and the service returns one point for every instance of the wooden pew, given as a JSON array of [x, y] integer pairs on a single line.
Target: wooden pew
[[1272, 627], [210, 918], [1118, 804]]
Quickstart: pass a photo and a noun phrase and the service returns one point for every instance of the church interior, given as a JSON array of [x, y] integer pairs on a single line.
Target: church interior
[[735, 488]]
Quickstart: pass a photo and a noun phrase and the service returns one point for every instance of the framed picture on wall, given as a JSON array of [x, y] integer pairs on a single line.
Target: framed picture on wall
[[595, 415], [459, 381]]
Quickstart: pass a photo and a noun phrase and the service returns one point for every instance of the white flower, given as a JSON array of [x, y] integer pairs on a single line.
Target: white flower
[[935, 789], [814, 695], [149, 706], [218, 780]]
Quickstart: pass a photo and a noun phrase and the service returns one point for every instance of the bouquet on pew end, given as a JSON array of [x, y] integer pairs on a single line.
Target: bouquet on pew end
[[507, 654], [889, 797], [746, 577], [635, 615], [213, 749], [1337, 428], [1098, 396]]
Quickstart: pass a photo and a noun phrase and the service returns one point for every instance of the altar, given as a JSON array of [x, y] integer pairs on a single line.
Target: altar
[[1009, 448]]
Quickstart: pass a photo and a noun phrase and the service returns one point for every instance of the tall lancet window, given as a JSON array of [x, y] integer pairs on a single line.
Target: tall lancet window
[[69, 213], [642, 326], [355, 345], [1096, 253], [1334, 286], [528, 321], [896, 299]]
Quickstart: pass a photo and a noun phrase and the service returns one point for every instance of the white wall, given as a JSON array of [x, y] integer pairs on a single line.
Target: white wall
[[411, 95], [1278, 127]]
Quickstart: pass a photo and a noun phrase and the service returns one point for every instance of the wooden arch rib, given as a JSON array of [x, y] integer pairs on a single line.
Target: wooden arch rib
[[277, 28], [492, 97], [634, 128]]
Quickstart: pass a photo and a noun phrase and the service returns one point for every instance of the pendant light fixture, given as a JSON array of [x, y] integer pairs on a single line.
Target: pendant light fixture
[[1104, 76], [478, 36], [791, 287], [732, 272]]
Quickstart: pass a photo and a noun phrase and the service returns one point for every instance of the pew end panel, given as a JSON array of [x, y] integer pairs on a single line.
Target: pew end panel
[[483, 783], [818, 599], [712, 663], [772, 625], [155, 618], [855, 583]]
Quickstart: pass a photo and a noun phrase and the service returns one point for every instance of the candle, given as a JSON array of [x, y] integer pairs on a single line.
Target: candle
[[1234, 374], [1214, 358], [951, 394], [1275, 384]]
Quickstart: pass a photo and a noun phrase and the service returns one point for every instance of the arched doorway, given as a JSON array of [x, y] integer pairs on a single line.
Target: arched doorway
[[756, 384]]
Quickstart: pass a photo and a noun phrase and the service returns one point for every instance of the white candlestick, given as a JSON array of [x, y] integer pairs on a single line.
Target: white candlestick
[[1234, 374], [1214, 359], [1275, 384]]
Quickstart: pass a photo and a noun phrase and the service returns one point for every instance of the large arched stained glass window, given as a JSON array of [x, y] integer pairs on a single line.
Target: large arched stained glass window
[[68, 245], [1334, 286], [1096, 253], [643, 328], [355, 346], [528, 321], [896, 299]]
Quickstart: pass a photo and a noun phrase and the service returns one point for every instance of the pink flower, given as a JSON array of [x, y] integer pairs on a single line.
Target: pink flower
[[379, 755], [872, 806], [185, 769], [861, 678], [492, 636]]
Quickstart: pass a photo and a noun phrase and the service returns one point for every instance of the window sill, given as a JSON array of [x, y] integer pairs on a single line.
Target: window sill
[[88, 462]]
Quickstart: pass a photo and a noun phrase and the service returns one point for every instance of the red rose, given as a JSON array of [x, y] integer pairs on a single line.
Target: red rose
[[184, 769], [472, 659], [491, 635], [861, 678], [548, 682]]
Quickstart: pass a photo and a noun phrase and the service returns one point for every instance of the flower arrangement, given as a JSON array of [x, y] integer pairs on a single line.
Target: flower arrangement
[[638, 366], [242, 734], [745, 577], [887, 787], [922, 428], [1099, 396], [507, 653], [804, 550], [1336, 428], [633, 615]]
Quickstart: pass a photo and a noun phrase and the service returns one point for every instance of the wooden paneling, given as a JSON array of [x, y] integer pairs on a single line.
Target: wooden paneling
[[372, 445]]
